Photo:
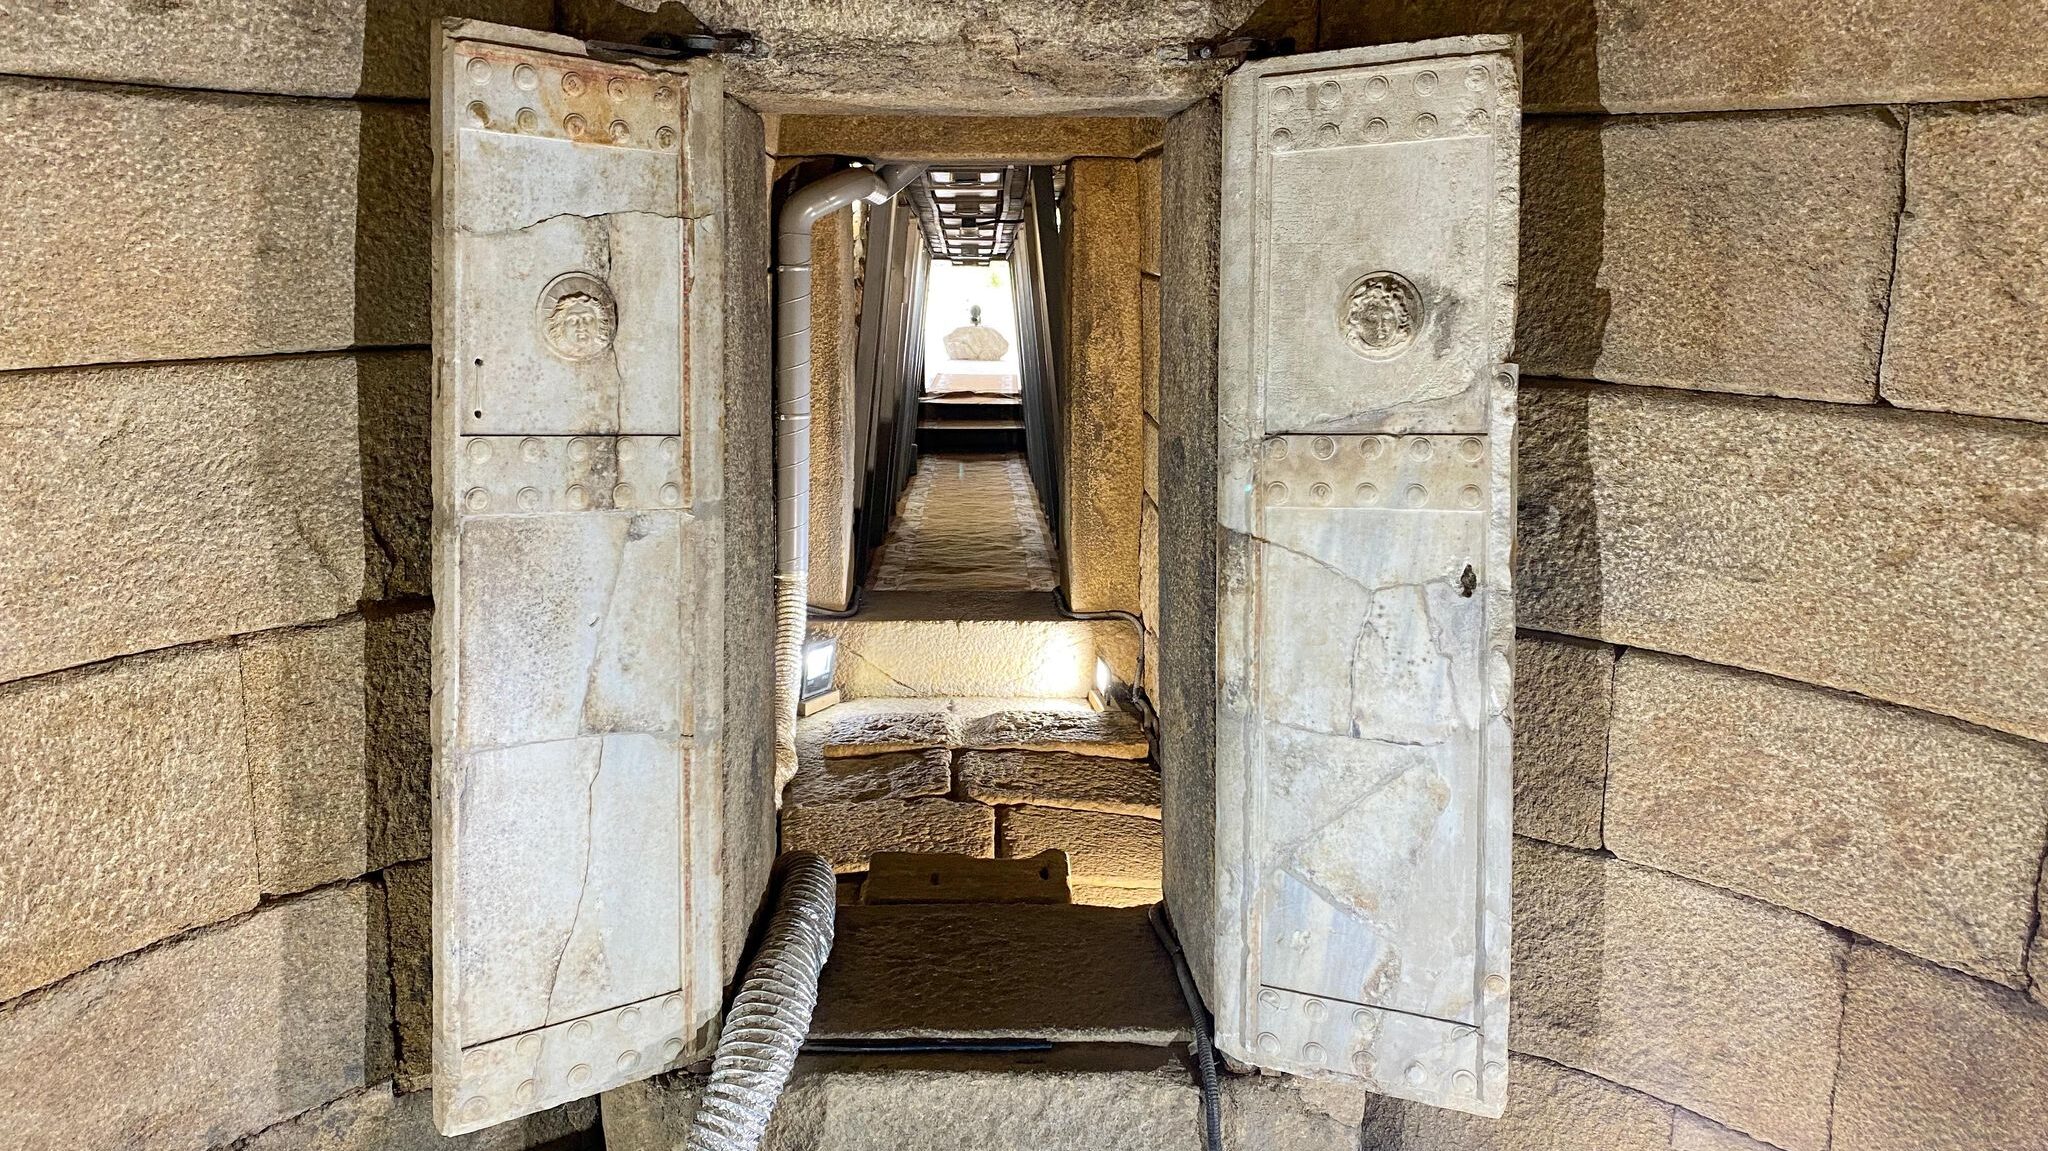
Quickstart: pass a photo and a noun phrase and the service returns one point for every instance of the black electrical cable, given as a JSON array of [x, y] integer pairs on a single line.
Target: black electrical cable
[[1205, 1049], [924, 1046]]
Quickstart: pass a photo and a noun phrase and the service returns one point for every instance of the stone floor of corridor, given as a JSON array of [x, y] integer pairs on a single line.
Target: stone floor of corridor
[[967, 522]]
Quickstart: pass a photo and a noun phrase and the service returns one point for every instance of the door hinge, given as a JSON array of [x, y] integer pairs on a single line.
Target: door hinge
[[1234, 48], [670, 47]]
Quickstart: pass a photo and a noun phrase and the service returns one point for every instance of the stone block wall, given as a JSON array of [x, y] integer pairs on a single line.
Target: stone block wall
[[214, 765], [1782, 770]]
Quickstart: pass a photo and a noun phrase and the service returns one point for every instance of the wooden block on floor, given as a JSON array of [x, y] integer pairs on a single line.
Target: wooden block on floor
[[904, 877]]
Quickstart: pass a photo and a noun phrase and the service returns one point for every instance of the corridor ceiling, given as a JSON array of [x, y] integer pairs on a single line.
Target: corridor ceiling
[[971, 213]]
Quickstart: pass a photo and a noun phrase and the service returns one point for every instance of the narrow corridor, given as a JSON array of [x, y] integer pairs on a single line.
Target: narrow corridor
[[968, 522]]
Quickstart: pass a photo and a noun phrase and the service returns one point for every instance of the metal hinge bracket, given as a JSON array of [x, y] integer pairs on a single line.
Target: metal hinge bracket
[[669, 47]]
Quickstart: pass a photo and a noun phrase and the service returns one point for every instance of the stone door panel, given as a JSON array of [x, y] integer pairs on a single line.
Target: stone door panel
[[1365, 617]]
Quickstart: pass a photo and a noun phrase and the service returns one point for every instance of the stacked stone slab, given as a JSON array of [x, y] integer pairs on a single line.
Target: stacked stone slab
[[994, 778]]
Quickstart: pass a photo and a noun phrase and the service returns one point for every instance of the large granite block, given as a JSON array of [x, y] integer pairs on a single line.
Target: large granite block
[[237, 225], [125, 794], [1731, 254], [299, 47], [159, 505], [1721, 1004], [210, 1037], [1934, 1061], [1564, 692], [1892, 554], [1969, 327], [1911, 829], [1690, 55], [1549, 1108]]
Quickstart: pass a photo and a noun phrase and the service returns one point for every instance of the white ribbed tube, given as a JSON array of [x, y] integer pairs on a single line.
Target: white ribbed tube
[[772, 1013], [800, 213]]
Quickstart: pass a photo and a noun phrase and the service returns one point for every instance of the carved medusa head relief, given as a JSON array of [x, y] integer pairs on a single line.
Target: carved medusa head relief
[[577, 316], [1381, 314]]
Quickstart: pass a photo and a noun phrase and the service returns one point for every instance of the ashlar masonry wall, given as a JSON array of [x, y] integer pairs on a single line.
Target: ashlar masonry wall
[[1782, 772]]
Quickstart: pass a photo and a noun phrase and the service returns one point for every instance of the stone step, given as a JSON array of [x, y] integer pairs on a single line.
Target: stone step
[[871, 727], [1053, 658], [1089, 1097]]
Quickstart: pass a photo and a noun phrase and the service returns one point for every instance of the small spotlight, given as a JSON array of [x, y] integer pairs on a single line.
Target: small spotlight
[[1103, 695], [819, 657]]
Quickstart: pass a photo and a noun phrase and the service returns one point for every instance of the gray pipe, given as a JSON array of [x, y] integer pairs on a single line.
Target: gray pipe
[[757, 1048], [800, 213]]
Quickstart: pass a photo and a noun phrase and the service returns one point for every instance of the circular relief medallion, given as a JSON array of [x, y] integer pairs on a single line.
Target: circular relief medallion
[[577, 316], [1380, 315]]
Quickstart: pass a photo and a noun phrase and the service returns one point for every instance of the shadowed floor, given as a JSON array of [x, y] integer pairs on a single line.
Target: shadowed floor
[[967, 522]]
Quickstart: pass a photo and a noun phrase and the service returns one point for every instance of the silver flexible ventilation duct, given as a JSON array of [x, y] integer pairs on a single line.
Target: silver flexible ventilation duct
[[771, 1014], [804, 208]]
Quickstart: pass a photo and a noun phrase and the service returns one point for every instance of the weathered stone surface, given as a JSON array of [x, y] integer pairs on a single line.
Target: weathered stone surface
[[303, 693], [980, 57], [1682, 55], [1891, 554], [909, 658], [1103, 386], [1059, 779], [1095, 1098], [897, 877], [1148, 552], [2037, 954], [1018, 139], [1149, 191], [865, 727], [377, 1120], [409, 912], [847, 833], [1689, 1132], [992, 1109], [397, 655], [208, 1038], [125, 792], [1911, 829], [1114, 733], [1102, 849], [1190, 194], [834, 415], [1933, 1061], [1564, 693], [1966, 325], [1776, 283], [1549, 1108], [1718, 1003], [173, 503], [1106, 895], [240, 259], [748, 806], [898, 775], [392, 393], [298, 47], [1076, 974]]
